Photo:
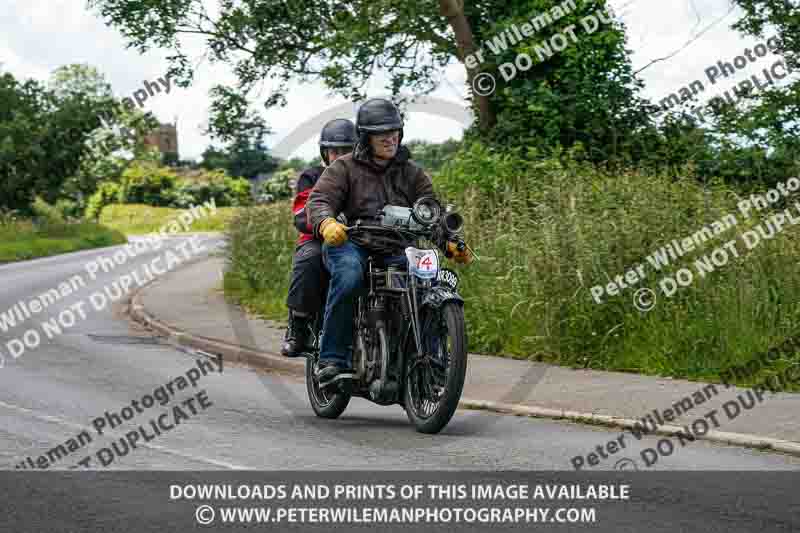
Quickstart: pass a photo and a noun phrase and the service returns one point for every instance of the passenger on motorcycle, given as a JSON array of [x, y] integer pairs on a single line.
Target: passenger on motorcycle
[[309, 282], [359, 185]]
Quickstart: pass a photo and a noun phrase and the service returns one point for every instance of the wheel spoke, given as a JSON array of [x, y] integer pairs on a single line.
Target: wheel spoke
[[429, 377]]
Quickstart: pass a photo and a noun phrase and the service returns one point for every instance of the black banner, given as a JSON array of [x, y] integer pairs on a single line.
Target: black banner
[[400, 501]]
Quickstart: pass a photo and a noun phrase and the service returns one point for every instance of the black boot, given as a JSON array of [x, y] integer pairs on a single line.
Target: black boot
[[329, 373], [298, 333]]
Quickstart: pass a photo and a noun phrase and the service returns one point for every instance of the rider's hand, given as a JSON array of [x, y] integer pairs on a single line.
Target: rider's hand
[[333, 232], [459, 256]]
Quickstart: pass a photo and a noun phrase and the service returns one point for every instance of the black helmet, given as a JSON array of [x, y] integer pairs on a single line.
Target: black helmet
[[336, 134], [377, 115]]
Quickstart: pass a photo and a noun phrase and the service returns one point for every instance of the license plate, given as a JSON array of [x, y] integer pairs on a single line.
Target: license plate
[[448, 277]]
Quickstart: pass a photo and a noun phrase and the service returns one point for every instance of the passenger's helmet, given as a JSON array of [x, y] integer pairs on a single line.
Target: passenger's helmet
[[377, 115], [338, 133]]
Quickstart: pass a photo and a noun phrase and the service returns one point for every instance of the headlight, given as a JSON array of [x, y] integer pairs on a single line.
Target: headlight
[[453, 222], [426, 211]]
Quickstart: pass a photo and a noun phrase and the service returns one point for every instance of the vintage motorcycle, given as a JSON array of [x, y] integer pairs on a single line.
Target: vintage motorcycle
[[409, 339]]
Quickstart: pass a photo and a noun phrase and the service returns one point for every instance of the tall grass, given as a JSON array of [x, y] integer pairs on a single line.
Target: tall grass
[[260, 248], [546, 233]]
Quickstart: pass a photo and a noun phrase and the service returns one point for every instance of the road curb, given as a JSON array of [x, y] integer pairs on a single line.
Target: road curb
[[231, 352], [263, 360], [736, 439]]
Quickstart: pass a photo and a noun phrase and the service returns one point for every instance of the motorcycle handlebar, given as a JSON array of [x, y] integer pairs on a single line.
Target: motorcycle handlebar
[[461, 245]]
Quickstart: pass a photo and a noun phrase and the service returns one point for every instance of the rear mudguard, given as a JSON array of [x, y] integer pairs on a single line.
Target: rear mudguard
[[438, 296]]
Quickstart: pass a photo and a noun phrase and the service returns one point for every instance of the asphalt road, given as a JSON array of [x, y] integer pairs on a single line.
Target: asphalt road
[[255, 421]]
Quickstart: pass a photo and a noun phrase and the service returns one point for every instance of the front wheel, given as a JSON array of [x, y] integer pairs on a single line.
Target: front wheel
[[329, 402], [434, 381]]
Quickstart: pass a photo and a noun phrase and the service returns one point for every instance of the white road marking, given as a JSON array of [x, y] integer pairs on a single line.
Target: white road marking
[[56, 420]]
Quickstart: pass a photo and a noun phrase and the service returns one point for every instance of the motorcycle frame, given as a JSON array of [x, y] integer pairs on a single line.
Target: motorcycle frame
[[409, 306]]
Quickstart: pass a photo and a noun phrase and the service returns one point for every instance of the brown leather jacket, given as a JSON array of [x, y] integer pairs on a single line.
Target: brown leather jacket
[[359, 188]]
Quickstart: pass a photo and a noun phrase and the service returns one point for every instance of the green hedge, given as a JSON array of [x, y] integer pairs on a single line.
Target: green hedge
[[150, 184]]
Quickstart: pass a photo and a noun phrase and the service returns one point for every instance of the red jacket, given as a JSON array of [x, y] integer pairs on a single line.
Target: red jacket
[[308, 178]]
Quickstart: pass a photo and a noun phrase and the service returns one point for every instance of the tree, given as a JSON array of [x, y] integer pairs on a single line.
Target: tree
[[243, 158], [80, 79], [341, 43], [298, 164], [250, 158], [111, 142], [768, 123], [432, 156], [585, 94], [42, 140]]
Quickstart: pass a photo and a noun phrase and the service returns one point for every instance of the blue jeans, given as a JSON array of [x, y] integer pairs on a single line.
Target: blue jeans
[[346, 264]]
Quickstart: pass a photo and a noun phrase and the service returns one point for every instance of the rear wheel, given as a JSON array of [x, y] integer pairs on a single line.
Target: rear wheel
[[434, 381]]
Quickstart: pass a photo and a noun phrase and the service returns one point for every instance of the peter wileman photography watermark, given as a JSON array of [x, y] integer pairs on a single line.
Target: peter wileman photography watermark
[[140, 95], [645, 298], [146, 432], [66, 319], [768, 77], [658, 418], [485, 83]]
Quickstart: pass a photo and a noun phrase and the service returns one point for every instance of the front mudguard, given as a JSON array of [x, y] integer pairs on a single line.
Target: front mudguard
[[438, 296]]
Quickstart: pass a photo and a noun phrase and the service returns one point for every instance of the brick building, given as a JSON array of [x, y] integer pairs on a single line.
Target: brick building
[[165, 138]]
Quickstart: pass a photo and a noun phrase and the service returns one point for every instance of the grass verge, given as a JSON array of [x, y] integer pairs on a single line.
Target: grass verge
[[137, 219], [22, 240]]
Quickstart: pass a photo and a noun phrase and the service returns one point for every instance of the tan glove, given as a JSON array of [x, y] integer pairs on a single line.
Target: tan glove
[[463, 257], [333, 232]]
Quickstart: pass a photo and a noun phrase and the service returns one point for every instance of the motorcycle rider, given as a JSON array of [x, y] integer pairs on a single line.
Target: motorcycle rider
[[309, 282], [377, 173]]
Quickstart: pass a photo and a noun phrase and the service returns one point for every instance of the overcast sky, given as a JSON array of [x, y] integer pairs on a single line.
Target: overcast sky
[[37, 36]]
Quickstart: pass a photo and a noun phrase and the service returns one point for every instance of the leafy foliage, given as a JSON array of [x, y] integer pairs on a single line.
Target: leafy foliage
[[145, 183], [41, 141], [107, 193], [279, 186], [216, 185], [243, 158], [342, 44], [432, 156]]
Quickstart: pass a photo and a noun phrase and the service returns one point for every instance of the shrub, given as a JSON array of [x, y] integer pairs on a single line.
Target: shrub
[[107, 193], [280, 185], [237, 192], [147, 183], [46, 213], [481, 167], [216, 185], [69, 209]]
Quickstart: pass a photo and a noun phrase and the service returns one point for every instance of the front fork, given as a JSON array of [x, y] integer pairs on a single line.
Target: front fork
[[413, 306]]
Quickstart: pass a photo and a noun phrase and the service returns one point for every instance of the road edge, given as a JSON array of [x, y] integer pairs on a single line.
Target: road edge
[[263, 360]]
